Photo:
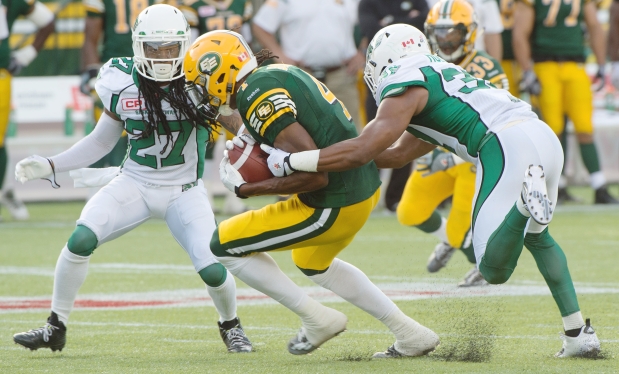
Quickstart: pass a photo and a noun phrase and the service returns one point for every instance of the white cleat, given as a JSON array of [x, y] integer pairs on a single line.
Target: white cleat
[[439, 257], [586, 344], [473, 278], [310, 337], [421, 342], [535, 196]]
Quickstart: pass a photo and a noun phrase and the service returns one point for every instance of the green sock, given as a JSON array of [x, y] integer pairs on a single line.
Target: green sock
[[590, 157], [504, 248], [552, 263], [563, 140], [469, 252], [4, 159], [431, 224]]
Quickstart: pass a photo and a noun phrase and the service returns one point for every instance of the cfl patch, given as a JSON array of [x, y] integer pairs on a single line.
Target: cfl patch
[[269, 109]]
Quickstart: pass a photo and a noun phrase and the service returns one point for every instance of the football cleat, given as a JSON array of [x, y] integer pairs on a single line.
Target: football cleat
[[603, 197], [439, 258], [535, 196], [586, 344], [421, 342], [53, 335], [309, 338], [473, 278], [234, 337], [563, 196], [17, 209]]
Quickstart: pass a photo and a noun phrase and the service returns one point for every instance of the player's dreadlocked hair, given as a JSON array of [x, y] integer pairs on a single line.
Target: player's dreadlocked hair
[[179, 102], [264, 55]]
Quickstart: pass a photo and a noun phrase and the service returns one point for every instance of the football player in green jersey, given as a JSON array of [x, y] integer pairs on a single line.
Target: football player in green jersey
[[160, 178], [424, 102], [283, 106], [11, 63]]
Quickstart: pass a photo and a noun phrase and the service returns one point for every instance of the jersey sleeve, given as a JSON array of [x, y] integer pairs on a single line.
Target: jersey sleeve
[[266, 107], [270, 15], [396, 78], [114, 76], [484, 66], [94, 8]]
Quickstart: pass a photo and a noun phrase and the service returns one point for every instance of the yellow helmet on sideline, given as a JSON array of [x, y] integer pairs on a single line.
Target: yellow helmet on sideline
[[451, 28]]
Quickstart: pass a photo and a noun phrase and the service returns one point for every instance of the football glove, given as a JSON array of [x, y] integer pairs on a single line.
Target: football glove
[[35, 167], [230, 177], [599, 80], [21, 58], [529, 83], [435, 161], [240, 141], [88, 78], [278, 161]]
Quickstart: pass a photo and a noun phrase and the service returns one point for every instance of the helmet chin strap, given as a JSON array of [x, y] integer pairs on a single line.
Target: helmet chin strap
[[225, 109]]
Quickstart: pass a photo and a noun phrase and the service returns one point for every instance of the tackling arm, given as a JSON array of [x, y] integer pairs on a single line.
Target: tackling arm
[[405, 150]]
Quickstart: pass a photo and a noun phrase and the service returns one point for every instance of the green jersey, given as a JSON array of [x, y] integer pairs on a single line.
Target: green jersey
[[209, 15], [507, 16], [483, 66], [13, 9], [118, 17], [276, 96], [557, 31], [461, 112]]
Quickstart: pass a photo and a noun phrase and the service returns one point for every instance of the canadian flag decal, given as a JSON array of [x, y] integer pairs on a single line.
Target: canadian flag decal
[[408, 42], [243, 56]]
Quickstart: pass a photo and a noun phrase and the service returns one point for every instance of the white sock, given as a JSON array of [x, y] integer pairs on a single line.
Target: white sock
[[521, 208], [224, 298], [597, 179], [562, 181], [71, 271], [261, 272], [401, 325], [573, 321], [351, 284], [441, 232]]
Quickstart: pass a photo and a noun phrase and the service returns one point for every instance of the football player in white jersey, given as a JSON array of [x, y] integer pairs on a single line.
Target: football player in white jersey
[[426, 102], [160, 177]]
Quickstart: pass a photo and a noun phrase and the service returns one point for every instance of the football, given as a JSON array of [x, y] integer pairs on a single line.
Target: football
[[251, 162]]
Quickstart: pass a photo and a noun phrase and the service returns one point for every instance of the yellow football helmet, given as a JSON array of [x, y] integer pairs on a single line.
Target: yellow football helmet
[[215, 62], [451, 28]]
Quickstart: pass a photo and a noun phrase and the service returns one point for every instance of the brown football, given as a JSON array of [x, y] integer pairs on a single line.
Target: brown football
[[251, 162]]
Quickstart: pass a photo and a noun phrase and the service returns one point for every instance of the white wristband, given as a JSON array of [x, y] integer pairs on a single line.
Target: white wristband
[[305, 161], [24, 56], [41, 16]]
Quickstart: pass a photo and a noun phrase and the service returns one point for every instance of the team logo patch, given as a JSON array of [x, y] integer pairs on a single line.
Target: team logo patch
[[209, 63], [264, 110], [132, 104], [243, 56]]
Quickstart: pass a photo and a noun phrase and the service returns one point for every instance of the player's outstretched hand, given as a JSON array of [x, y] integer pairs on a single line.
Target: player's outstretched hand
[[240, 141], [435, 161], [33, 167], [230, 177], [278, 161], [529, 83]]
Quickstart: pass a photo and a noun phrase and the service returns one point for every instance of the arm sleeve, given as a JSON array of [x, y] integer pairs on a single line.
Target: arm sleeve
[[270, 14], [92, 147]]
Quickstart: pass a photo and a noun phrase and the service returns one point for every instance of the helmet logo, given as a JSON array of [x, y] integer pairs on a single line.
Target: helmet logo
[[264, 110], [410, 42], [243, 56], [209, 63]]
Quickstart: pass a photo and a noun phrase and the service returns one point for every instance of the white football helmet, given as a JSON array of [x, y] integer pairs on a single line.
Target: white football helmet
[[161, 37], [389, 45]]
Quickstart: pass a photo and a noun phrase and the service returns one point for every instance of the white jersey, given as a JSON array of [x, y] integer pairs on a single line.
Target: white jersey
[[461, 109], [182, 161]]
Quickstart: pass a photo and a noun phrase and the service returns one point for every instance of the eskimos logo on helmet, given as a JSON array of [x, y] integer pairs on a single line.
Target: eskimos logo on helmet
[[209, 63]]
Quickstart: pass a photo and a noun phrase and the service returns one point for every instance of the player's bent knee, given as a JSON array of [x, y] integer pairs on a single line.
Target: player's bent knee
[[494, 275], [216, 247], [214, 275], [310, 272], [82, 241]]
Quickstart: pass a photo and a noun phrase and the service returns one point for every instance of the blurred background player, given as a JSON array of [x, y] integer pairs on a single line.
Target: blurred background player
[[11, 63], [508, 61], [451, 29], [317, 36], [373, 16], [107, 29], [549, 45], [613, 42]]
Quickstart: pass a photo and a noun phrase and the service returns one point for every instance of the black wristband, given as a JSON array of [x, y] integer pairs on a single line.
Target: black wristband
[[237, 192]]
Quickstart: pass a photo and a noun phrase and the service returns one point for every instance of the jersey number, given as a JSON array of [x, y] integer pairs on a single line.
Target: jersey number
[[452, 73], [136, 6], [182, 130], [551, 18], [330, 97], [232, 22]]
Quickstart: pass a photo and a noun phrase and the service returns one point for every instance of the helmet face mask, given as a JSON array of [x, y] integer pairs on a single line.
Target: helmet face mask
[[160, 39], [215, 62], [451, 28], [389, 45]]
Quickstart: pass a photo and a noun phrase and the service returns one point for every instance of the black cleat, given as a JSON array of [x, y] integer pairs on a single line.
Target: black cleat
[[53, 335], [603, 197], [563, 196], [234, 337]]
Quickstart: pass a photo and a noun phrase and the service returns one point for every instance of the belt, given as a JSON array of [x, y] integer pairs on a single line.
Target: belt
[[188, 186], [574, 58], [321, 72]]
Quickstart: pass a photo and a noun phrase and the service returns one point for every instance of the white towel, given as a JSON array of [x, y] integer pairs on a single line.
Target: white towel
[[89, 177]]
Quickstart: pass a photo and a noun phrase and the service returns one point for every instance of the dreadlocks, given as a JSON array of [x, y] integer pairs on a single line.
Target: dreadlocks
[[176, 96], [264, 55]]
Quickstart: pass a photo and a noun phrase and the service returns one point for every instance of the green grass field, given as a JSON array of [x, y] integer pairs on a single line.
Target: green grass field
[[500, 329]]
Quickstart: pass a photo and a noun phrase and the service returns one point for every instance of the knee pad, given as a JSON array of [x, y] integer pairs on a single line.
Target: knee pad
[[82, 242], [214, 275]]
